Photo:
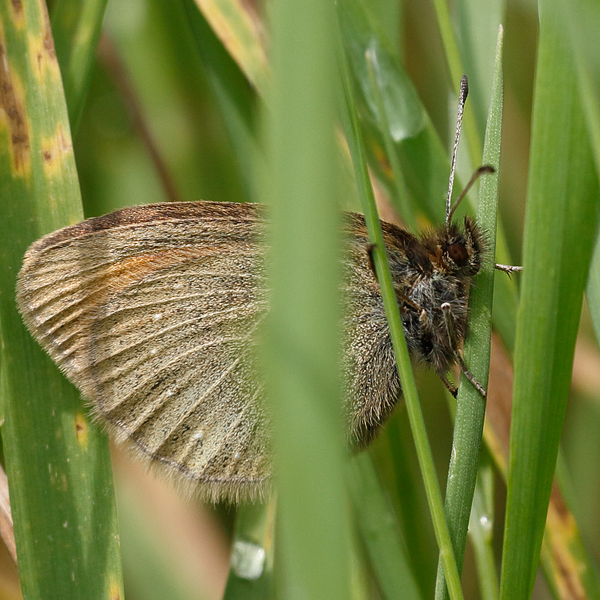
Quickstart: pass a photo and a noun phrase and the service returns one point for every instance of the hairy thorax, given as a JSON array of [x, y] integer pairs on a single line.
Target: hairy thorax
[[431, 274], [425, 327]]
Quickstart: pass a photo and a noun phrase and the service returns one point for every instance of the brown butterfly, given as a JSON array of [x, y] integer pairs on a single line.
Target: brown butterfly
[[152, 312]]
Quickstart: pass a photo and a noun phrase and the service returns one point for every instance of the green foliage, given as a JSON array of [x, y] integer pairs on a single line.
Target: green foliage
[[183, 102], [57, 461]]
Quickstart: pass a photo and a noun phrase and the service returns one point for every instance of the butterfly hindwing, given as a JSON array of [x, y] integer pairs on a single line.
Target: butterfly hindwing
[[157, 329]]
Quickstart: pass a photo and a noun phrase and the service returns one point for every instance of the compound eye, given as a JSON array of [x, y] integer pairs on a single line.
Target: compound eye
[[458, 253]]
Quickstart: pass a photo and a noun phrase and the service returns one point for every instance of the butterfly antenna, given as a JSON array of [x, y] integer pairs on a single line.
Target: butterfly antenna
[[462, 97], [481, 171]]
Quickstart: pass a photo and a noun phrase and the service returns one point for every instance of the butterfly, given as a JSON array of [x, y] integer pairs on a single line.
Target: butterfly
[[153, 312]]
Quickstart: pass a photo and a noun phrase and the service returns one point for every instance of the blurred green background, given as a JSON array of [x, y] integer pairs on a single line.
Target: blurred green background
[[151, 109]]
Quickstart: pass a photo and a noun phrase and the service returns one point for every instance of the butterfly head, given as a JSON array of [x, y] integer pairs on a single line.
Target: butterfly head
[[461, 248]]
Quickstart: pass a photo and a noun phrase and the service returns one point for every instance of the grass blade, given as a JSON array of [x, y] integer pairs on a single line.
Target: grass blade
[[584, 19], [380, 532], [477, 27], [481, 530], [470, 413], [392, 310], [237, 27], [76, 27], [57, 462], [421, 155], [301, 338], [559, 232], [250, 575], [402, 199], [236, 99], [457, 69]]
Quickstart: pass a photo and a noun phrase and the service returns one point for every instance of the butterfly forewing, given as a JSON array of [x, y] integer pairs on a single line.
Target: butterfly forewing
[[158, 331]]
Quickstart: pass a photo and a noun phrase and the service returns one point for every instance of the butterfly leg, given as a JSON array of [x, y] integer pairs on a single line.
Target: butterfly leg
[[508, 269], [447, 311], [451, 388], [470, 376]]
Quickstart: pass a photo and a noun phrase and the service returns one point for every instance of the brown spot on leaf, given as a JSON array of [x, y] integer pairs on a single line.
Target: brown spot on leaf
[[54, 150], [560, 508], [41, 50], [81, 430], [17, 14], [43, 58], [12, 104], [48, 42]]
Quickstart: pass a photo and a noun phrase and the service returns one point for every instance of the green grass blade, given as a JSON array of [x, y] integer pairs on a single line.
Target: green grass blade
[[470, 412], [238, 29], [457, 70], [559, 232], [390, 16], [250, 576], [301, 337], [481, 531], [380, 532], [392, 310], [422, 157], [401, 192], [76, 27], [57, 462], [233, 92], [593, 289], [477, 28], [584, 19]]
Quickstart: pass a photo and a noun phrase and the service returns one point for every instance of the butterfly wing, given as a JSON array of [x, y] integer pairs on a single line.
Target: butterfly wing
[[151, 311]]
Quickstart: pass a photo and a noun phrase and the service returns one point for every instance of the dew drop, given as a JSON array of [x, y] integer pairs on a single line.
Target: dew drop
[[485, 522], [247, 560]]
